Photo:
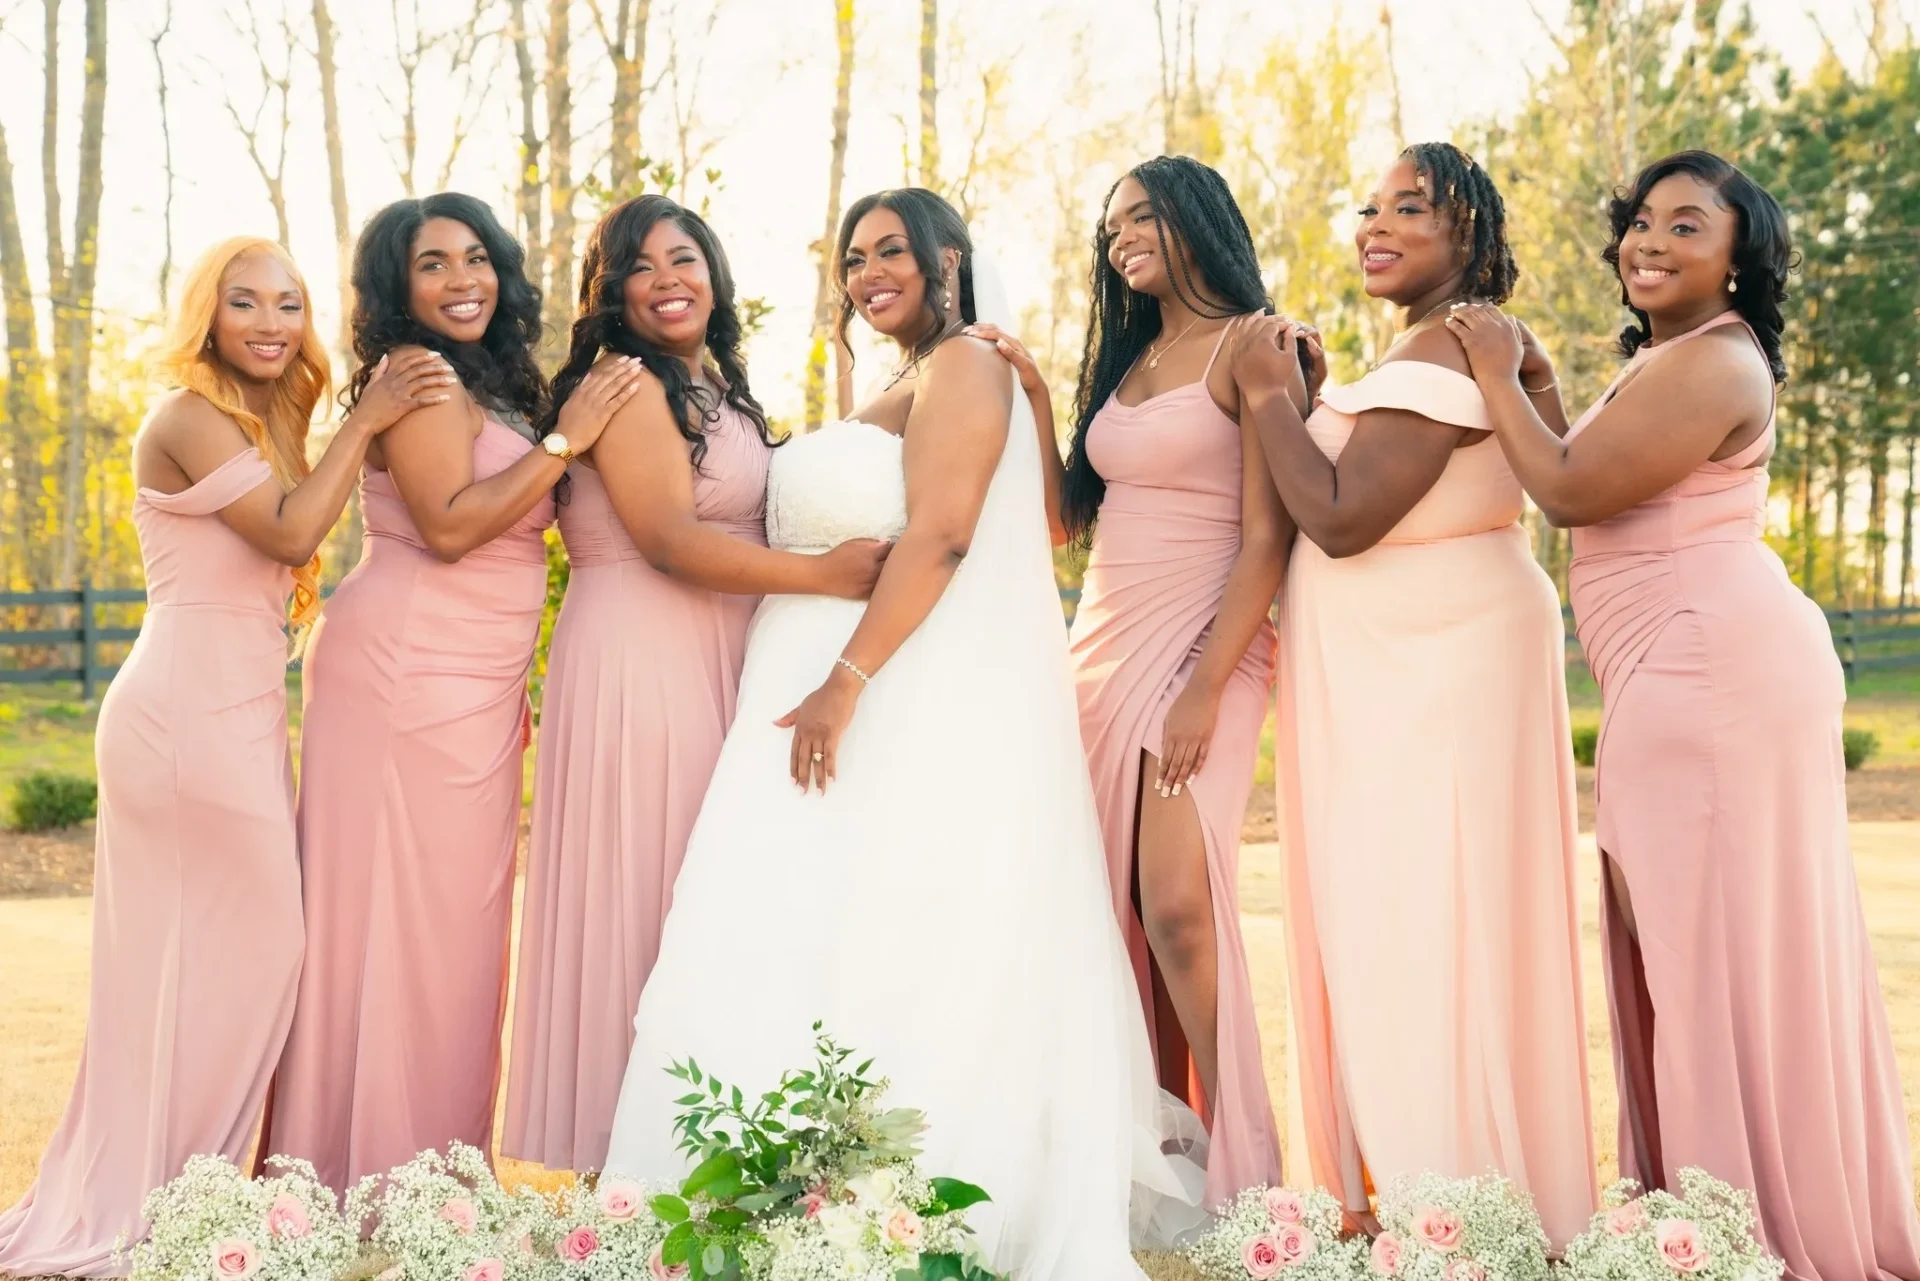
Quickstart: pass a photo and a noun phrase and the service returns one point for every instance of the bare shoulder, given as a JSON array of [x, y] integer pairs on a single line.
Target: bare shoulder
[[965, 364], [1723, 358], [186, 418], [1435, 345], [647, 409]]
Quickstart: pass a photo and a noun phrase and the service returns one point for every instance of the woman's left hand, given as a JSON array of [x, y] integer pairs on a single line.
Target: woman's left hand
[[1491, 338], [817, 725], [1184, 739]]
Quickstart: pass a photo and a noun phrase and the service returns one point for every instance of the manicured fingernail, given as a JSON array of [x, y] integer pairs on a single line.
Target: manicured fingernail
[[1176, 789]]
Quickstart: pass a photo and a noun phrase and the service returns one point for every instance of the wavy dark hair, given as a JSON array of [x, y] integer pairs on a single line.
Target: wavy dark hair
[[932, 225], [1192, 204], [499, 370], [599, 325], [1762, 247]]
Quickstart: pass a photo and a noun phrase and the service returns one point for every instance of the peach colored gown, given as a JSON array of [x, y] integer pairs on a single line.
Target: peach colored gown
[[196, 908], [1167, 537], [410, 781], [1428, 834], [1750, 1032], [641, 678]]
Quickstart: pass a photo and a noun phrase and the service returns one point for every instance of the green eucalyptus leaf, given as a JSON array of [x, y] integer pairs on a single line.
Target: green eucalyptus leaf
[[670, 1209]]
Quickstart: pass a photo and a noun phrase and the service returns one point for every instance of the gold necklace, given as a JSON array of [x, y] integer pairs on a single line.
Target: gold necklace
[[1153, 356], [1439, 309]]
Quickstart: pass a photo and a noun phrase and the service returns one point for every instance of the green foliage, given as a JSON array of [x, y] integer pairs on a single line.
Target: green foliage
[[1858, 746], [45, 800], [1586, 738]]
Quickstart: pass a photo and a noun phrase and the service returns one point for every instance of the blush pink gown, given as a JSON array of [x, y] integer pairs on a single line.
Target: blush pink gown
[[1428, 835], [1167, 537], [1750, 1034], [196, 907], [410, 782], [641, 678]]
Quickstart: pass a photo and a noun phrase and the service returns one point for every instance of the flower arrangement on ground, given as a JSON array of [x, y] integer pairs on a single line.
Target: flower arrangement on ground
[[214, 1224], [1478, 1229], [1706, 1233], [607, 1232], [446, 1218], [1279, 1232], [811, 1180]]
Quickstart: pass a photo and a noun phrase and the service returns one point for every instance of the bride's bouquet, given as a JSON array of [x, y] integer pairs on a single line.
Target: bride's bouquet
[[811, 1180]]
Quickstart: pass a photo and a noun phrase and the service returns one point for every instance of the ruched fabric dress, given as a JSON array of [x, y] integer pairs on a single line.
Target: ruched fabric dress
[[1167, 538], [196, 901], [1750, 1034], [641, 682], [410, 785], [1428, 832]]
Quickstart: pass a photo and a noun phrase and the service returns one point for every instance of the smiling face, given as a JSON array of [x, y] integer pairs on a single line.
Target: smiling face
[[261, 319], [669, 295], [1133, 240], [1677, 250], [1408, 246], [451, 285], [884, 281]]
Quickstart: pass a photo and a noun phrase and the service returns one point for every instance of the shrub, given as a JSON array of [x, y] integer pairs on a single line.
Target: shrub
[[1585, 739], [1858, 745], [44, 800]]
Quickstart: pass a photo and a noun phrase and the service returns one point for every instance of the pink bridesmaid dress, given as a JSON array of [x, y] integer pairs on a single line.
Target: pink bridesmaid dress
[[1750, 1034], [1428, 835], [410, 782], [640, 687], [1167, 537], [196, 907]]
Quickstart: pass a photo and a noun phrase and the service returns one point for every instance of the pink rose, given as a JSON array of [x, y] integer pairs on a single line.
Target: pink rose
[[1284, 1205], [1295, 1243], [1386, 1254], [485, 1270], [287, 1218], [620, 1200], [812, 1203], [1261, 1255], [659, 1270], [1680, 1244], [579, 1244], [461, 1214], [1465, 1270], [235, 1258], [1625, 1220], [903, 1228], [1438, 1228]]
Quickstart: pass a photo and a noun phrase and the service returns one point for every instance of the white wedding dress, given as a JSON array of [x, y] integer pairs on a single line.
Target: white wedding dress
[[943, 908]]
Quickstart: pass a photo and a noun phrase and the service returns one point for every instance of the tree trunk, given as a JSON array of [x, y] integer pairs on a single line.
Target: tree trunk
[[529, 193], [627, 49], [929, 91], [1877, 521], [559, 294], [1803, 487], [1393, 74], [1906, 525], [1839, 486], [823, 294], [23, 380], [50, 159], [79, 344]]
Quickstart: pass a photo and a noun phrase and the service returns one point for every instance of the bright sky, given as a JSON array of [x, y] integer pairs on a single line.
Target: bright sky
[[763, 99]]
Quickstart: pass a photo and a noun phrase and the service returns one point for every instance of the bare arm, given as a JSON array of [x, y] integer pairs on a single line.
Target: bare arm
[[1389, 463], [955, 434], [644, 462], [188, 439], [429, 454], [1661, 426]]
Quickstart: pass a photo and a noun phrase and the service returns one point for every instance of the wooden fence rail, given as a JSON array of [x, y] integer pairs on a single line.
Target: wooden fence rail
[[1891, 636]]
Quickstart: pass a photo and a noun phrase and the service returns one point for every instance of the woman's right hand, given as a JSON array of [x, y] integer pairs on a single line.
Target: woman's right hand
[[610, 384], [851, 569], [397, 388]]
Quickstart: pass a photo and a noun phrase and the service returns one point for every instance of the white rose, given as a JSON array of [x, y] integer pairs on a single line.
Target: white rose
[[843, 1225], [877, 1188]]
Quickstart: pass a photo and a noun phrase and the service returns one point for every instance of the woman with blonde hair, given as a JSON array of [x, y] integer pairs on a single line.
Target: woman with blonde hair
[[197, 930]]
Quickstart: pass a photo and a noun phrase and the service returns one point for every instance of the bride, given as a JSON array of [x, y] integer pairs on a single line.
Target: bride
[[900, 838]]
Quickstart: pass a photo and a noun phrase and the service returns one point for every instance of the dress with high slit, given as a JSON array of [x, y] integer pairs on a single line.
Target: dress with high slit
[[1750, 1033]]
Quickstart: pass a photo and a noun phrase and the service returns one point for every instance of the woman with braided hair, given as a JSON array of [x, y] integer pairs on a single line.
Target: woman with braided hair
[[1172, 647], [1422, 749], [664, 522]]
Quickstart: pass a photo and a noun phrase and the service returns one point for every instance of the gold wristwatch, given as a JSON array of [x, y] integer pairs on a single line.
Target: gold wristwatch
[[557, 447]]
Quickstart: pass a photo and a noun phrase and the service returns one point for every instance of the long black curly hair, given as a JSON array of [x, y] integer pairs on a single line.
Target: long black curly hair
[[612, 255], [1762, 247], [499, 370], [1457, 183], [932, 225], [1216, 273]]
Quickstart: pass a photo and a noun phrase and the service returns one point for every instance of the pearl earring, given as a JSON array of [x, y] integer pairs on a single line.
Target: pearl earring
[[1733, 282]]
